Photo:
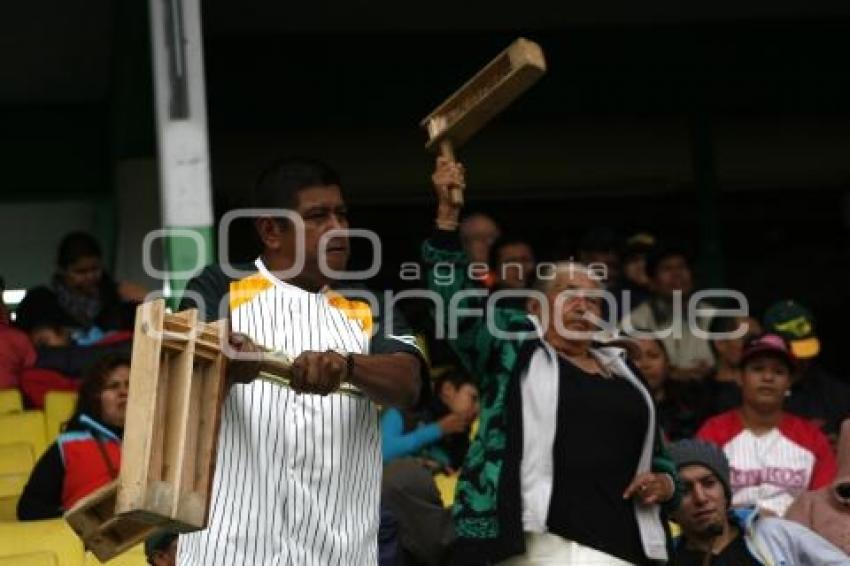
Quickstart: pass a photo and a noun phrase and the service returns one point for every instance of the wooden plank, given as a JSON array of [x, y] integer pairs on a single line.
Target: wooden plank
[[209, 383], [141, 421], [86, 516], [178, 434], [486, 94], [120, 536], [104, 533]]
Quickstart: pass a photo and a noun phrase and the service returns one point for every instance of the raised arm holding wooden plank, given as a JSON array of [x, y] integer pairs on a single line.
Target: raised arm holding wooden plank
[[483, 96]]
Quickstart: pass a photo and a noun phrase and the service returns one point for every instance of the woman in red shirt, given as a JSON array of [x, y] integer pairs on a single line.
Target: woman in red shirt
[[87, 455]]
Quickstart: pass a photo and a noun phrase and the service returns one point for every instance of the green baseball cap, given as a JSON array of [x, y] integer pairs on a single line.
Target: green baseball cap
[[796, 324]]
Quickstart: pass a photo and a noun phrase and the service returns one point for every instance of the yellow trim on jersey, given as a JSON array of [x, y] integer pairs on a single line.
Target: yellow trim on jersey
[[354, 310], [244, 290]]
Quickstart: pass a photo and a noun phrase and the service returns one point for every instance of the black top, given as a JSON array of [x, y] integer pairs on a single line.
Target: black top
[[821, 397], [735, 554], [601, 427]]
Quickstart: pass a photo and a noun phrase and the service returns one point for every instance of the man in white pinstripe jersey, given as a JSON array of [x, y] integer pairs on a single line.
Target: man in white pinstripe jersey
[[298, 470]]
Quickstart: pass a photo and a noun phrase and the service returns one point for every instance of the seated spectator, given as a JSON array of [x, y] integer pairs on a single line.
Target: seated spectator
[[16, 350], [721, 386], [439, 440], [59, 362], [161, 549], [87, 455], [669, 273], [815, 393], [512, 263], [478, 232], [714, 536], [634, 278], [774, 456], [680, 406], [440, 433], [600, 247], [84, 291], [827, 510]]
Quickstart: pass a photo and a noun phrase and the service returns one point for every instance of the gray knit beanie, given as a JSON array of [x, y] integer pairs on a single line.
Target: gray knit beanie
[[687, 452]]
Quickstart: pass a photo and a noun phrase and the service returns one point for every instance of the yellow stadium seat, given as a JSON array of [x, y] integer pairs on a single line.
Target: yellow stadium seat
[[10, 401], [16, 462], [446, 485], [34, 559], [37, 541], [133, 557], [26, 427], [58, 408]]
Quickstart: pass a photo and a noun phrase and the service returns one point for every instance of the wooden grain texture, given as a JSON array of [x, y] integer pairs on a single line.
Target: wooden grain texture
[[485, 95], [208, 387], [177, 386], [103, 532], [140, 430], [179, 435]]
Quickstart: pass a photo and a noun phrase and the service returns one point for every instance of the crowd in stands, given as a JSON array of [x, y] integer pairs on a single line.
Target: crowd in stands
[[747, 389], [75, 334], [752, 422]]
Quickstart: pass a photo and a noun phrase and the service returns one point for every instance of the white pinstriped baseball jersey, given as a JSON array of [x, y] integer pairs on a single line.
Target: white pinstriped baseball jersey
[[297, 477], [772, 469]]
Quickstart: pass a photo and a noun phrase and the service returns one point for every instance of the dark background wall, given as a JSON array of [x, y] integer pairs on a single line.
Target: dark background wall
[[723, 125]]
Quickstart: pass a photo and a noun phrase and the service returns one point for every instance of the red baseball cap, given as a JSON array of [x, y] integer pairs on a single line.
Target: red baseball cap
[[771, 345]]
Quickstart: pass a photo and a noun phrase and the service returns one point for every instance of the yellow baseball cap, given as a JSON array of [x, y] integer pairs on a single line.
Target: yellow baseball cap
[[795, 323]]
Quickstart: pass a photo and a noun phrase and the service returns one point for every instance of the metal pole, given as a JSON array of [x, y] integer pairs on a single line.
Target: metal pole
[[181, 118]]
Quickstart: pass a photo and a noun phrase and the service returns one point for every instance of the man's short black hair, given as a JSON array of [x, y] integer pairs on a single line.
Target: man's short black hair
[[458, 378], [501, 242], [664, 251], [278, 185]]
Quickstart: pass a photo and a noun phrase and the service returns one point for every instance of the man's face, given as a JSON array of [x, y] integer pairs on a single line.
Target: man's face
[[672, 274], [83, 276], [514, 265], [730, 350], [322, 210], [703, 508], [477, 235], [764, 382]]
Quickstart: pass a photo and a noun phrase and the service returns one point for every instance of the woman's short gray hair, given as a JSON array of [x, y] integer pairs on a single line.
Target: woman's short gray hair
[[547, 273]]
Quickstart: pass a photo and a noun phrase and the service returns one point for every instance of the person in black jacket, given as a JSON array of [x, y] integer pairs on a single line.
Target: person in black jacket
[[86, 294], [87, 455]]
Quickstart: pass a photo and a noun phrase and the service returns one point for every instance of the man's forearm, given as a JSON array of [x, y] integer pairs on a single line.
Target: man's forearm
[[387, 379]]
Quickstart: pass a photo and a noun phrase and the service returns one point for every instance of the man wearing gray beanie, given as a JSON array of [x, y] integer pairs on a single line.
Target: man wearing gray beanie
[[713, 534]]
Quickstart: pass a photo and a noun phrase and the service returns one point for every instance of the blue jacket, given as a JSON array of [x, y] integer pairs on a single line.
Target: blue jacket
[[777, 542]]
